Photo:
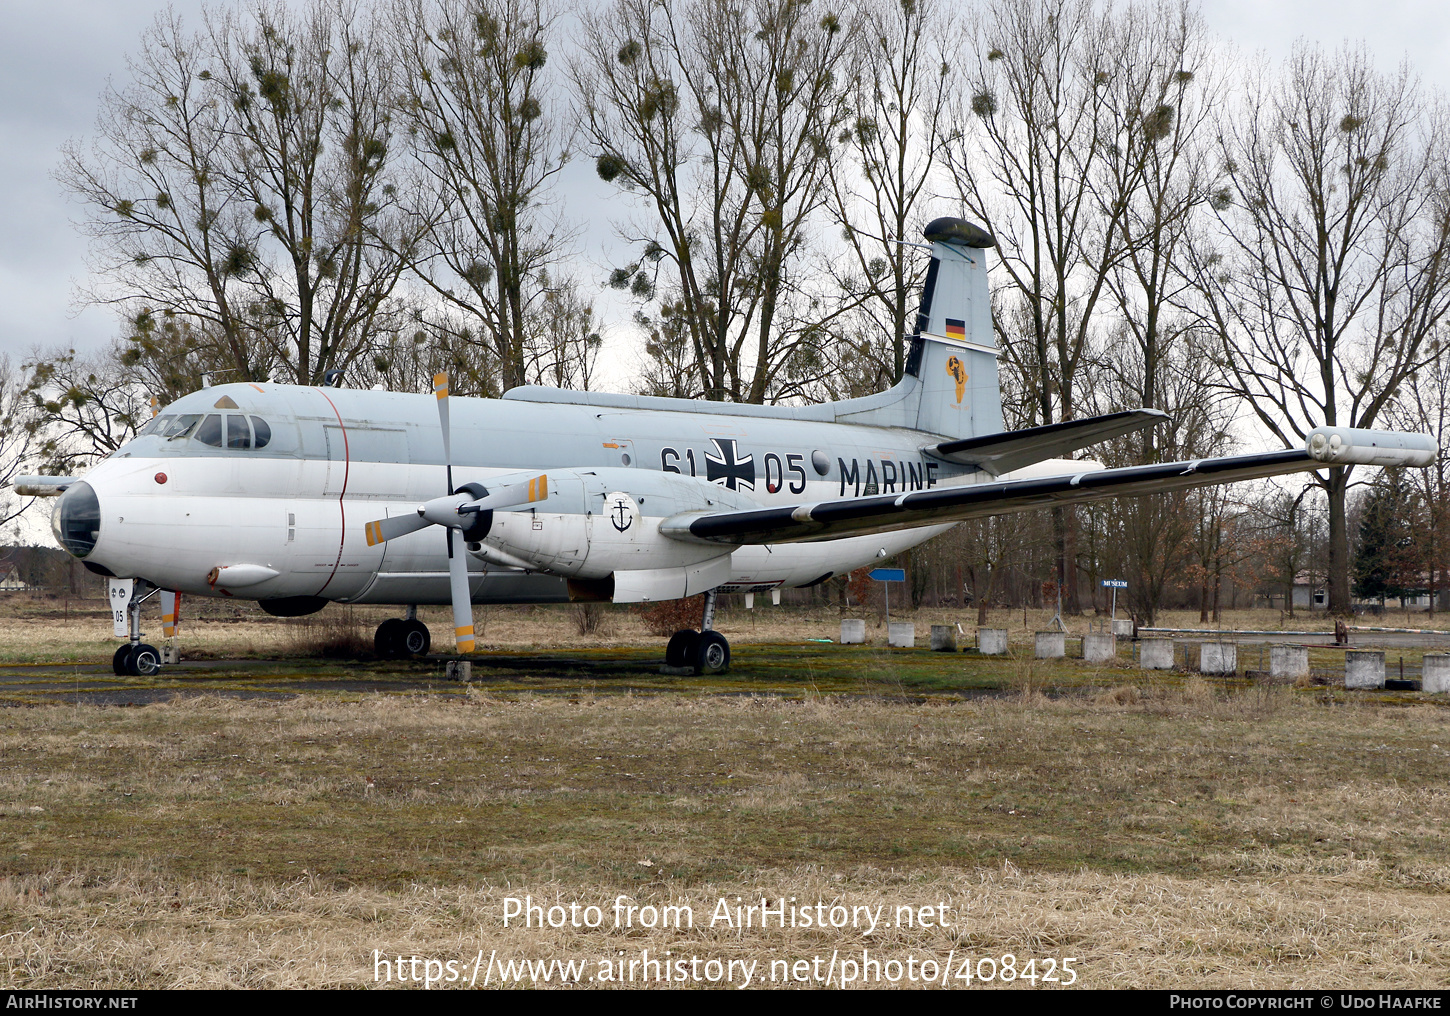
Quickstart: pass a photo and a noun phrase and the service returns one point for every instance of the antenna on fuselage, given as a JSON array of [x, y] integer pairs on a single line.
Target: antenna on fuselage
[[206, 376]]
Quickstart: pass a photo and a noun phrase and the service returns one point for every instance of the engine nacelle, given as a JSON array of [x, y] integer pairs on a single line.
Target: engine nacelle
[[598, 523]]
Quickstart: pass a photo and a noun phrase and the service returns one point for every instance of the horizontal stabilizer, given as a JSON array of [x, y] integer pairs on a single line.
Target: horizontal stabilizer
[[1002, 453]]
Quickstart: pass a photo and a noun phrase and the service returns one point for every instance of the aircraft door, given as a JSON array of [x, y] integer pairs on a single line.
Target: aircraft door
[[337, 463]]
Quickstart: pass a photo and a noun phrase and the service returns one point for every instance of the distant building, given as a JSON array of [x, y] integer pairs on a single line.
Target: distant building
[[10, 580]]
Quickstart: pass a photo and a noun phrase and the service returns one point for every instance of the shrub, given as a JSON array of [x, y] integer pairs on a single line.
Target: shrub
[[669, 616]]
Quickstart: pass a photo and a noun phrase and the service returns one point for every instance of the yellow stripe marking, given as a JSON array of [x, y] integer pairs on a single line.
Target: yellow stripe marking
[[440, 385], [539, 488], [375, 533], [464, 637]]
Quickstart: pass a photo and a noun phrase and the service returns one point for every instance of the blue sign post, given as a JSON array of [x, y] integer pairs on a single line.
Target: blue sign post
[[1115, 585], [886, 576]]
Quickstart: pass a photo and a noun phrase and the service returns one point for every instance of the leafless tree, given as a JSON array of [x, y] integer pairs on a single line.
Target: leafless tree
[[720, 116], [89, 406], [20, 438], [490, 141], [1422, 404], [240, 181], [1032, 132], [562, 343], [1326, 278], [887, 164]]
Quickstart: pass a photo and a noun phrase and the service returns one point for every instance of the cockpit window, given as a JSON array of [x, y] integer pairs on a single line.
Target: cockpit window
[[221, 430], [210, 431], [239, 434], [178, 426], [153, 425]]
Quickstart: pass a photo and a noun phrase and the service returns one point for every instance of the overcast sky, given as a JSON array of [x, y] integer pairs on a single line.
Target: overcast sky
[[56, 57]]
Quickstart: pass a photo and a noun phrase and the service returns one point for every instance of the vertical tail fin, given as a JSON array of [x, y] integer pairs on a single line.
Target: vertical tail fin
[[954, 350], [950, 386]]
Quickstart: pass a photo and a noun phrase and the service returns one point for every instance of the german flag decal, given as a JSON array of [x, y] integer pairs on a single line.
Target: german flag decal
[[956, 329]]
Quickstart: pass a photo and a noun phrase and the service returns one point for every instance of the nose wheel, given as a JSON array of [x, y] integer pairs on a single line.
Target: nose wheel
[[136, 658]]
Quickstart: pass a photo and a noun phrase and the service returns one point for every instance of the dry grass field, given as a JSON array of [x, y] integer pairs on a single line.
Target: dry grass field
[[32, 631], [1162, 832]]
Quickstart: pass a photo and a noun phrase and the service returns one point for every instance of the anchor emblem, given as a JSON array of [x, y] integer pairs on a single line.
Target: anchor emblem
[[620, 516]]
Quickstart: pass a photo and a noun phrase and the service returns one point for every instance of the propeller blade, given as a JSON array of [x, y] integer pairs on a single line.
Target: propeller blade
[[440, 389], [391, 528], [458, 585], [510, 495]]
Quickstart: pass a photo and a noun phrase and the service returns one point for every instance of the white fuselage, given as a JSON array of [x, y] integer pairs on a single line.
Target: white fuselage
[[287, 519]]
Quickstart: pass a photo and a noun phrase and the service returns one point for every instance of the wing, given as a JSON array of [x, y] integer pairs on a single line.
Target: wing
[[827, 520], [1002, 453]]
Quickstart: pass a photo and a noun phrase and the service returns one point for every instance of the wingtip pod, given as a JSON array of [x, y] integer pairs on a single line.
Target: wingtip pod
[[1348, 446]]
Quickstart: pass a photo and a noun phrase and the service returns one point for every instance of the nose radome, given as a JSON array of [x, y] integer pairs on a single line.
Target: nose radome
[[76, 521]]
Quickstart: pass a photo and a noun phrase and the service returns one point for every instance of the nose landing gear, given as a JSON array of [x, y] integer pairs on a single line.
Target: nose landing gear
[[704, 651], [136, 658]]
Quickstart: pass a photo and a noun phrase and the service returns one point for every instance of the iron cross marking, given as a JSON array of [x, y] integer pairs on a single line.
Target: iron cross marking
[[722, 467]]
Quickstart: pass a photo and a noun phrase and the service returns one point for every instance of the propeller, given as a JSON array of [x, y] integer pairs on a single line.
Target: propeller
[[457, 511]]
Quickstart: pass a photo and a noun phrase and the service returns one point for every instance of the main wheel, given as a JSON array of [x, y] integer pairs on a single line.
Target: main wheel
[[413, 638], [144, 661], [121, 662], [681, 649], [388, 639], [712, 653]]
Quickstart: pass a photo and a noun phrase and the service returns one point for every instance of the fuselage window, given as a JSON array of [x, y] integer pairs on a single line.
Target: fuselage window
[[210, 431], [262, 433]]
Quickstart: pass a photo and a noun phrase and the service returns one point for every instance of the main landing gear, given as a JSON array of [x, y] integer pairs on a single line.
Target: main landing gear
[[704, 651], [402, 638]]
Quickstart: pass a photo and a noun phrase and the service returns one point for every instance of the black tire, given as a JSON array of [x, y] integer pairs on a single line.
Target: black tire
[[388, 639], [121, 662], [145, 661], [712, 653], [413, 639], [681, 649]]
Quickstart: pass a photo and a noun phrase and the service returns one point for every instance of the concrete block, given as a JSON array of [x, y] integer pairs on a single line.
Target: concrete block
[[853, 631], [1099, 648], [1364, 668], [1218, 658], [1156, 654], [1051, 645], [1435, 673], [459, 670], [1289, 661], [901, 634], [1123, 627], [170, 654], [944, 638], [992, 641]]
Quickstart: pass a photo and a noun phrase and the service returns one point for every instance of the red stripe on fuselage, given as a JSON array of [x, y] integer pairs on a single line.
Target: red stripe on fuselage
[[341, 508]]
